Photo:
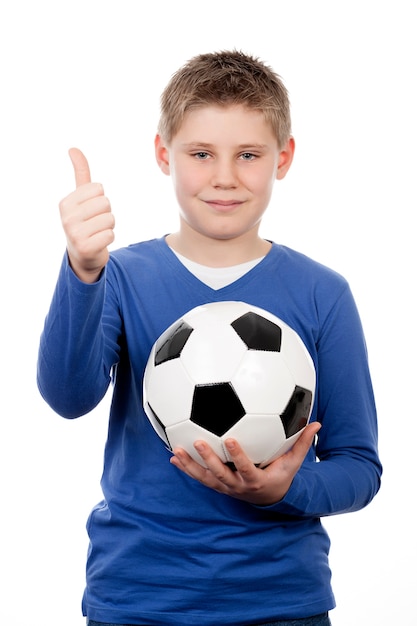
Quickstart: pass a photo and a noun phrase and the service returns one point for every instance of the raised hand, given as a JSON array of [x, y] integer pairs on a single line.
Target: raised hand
[[257, 486], [87, 221]]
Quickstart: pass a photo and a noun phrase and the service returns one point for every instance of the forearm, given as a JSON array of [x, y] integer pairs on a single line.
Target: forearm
[[341, 484], [71, 374]]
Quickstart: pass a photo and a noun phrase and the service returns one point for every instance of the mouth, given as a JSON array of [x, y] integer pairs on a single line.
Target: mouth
[[224, 205]]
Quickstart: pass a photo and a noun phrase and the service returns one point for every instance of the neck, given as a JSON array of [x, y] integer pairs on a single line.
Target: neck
[[218, 252]]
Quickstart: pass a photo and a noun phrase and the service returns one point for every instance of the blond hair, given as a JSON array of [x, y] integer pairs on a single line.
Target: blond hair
[[225, 78]]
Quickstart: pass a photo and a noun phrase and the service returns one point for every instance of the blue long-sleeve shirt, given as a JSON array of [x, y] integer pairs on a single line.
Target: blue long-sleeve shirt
[[165, 549]]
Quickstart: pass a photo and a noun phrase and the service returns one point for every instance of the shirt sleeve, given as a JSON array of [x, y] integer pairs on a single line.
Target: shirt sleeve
[[78, 346], [342, 472]]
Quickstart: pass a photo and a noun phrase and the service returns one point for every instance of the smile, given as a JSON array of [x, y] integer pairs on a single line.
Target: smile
[[224, 205]]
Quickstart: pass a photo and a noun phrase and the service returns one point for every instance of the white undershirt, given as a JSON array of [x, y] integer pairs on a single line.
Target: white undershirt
[[217, 277]]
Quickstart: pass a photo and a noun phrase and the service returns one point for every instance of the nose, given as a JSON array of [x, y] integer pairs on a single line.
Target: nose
[[224, 174]]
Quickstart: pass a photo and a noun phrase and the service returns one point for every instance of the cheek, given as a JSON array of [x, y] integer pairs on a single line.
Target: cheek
[[261, 184], [187, 182]]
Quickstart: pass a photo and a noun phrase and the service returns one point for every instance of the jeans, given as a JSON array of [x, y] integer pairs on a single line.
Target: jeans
[[316, 620]]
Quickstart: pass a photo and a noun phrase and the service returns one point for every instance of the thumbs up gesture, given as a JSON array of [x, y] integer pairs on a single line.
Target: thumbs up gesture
[[87, 221]]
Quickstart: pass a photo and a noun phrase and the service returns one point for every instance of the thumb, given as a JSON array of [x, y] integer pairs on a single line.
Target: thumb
[[304, 442], [81, 167]]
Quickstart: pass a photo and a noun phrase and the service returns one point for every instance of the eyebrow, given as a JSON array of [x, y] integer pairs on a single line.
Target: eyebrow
[[243, 146]]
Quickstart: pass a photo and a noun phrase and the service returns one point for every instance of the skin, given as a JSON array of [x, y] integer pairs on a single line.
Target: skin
[[87, 221], [223, 163]]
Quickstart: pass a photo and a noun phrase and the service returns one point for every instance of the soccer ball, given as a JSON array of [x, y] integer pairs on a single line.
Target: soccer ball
[[229, 369]]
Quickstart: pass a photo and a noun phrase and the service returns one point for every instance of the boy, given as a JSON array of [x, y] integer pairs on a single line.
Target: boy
[[173, 542]]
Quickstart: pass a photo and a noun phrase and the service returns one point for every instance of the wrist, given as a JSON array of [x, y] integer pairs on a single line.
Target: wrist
[[85, 275]]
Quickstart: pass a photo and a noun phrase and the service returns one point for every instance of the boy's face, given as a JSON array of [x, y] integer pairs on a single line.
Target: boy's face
[[223, 162]]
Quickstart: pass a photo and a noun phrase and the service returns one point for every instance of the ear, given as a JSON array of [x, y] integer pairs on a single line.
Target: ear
[[286, 156], [162, 154]]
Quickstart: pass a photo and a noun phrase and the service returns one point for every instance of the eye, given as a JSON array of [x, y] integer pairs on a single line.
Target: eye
[[201, 155], [247, 156]]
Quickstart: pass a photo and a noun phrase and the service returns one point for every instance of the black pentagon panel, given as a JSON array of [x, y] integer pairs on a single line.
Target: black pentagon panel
[[296, 413], [216, 407], [160, 424], [170, 347], [258, 333]]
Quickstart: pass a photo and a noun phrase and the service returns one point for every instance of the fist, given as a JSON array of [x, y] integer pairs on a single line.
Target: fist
[[87, 221]]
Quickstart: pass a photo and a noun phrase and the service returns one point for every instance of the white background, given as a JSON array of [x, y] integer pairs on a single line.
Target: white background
[[89, 73]]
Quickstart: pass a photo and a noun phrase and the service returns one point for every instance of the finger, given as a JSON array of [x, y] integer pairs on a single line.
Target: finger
[[245, 467], [201, 471], [96, 205], [304, 442], [183, 461], [218, 470], [81, 167]]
